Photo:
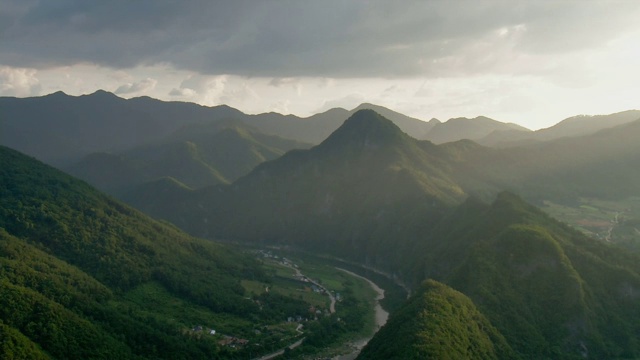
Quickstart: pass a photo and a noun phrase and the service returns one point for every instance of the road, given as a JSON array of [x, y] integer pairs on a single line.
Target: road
[[332, 309], [281, 351]]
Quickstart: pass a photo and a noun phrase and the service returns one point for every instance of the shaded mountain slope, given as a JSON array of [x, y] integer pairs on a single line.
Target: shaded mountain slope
[[440, 323], [196, 155], [346, 185], [312, 129]]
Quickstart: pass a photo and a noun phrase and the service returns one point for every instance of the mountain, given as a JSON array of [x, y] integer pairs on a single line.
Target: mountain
[[415, 128], [586, 124], [61, 129], [551, 291], [357, 176], [315, 128], [562, 170], [440, 323], [508, 138], [576, 126], [84, 276], [372, 194], [312, 129], [537, 286], [367, 170], [196, 155], [464, 128]]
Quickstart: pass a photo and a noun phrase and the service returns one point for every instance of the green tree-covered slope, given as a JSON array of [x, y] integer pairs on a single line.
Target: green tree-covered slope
[[551, 291], [438, 322], [84, 276]]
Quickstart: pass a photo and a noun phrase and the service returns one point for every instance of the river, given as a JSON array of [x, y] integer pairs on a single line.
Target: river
[[381, 317]]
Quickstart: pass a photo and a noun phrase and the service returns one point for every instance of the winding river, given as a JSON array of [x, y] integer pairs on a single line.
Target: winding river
[[381, 318]]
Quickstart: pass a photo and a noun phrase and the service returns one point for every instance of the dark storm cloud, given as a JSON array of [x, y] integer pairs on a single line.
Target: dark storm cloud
[[299, 38]]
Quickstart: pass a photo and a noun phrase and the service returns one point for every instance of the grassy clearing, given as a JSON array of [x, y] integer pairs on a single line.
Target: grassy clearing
[[301, 290], [284, 283], [326, 275], [252, 287]]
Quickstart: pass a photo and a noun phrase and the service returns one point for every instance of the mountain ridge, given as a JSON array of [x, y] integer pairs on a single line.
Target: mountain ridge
[[61, 129]]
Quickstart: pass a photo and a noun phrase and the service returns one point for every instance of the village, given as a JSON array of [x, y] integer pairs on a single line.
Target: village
[[314, 285], [305, 285]]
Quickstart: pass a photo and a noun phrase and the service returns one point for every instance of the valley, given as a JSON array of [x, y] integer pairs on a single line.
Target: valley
[[326, 288], [348, 346], [86, 262]]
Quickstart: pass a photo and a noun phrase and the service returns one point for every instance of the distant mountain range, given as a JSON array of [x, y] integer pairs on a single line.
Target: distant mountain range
[[574, 126], [62, 129]]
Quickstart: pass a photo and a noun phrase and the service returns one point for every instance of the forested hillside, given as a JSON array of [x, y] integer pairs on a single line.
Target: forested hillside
[[84, 276], [549, 291], [438, 322]]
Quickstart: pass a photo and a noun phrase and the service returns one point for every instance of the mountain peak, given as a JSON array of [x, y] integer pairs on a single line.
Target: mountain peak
[[365, 128], [367, 106], [102, 94], [57, 94]]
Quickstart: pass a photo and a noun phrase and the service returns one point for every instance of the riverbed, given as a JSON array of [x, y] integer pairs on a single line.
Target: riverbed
[[381, 317]]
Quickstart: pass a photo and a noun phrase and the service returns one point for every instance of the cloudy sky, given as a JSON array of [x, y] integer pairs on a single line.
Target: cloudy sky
[[529, 62]]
